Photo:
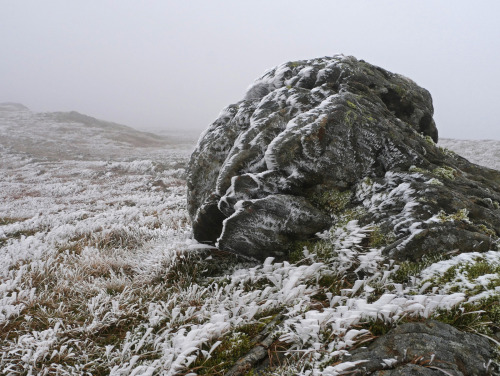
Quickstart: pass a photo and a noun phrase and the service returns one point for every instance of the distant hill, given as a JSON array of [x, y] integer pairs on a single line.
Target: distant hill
[[69, 135], [482, 152], [12, 107]]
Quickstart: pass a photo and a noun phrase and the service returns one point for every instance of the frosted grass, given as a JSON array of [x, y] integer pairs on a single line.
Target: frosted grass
[[99, 275]]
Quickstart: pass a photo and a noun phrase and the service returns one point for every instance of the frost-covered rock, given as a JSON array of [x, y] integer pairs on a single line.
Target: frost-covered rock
[[428, 348], [316, 141]]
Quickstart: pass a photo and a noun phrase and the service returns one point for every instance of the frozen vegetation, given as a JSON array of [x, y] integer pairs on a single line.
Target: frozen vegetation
[[99, 273]]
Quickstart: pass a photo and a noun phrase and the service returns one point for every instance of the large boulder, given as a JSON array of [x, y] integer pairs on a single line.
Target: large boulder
[[313, 140]]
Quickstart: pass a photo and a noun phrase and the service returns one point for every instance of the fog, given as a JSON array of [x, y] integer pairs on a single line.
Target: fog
[[175, 64]]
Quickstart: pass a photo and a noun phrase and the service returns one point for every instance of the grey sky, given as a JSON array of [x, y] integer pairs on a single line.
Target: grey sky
[[176, 64]]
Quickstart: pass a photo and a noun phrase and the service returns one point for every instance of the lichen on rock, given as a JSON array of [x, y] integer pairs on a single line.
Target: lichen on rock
[[300, 148]]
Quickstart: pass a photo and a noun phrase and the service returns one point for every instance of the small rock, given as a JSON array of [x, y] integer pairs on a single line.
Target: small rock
[[426, 349]]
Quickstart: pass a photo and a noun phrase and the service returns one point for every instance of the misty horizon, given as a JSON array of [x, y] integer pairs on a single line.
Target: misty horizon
[[175, 66]]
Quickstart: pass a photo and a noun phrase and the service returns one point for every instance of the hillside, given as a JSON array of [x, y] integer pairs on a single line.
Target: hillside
[[99, 273], [69, 135]]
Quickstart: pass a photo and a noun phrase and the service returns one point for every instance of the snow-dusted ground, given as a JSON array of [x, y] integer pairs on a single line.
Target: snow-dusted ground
[[98, 271]]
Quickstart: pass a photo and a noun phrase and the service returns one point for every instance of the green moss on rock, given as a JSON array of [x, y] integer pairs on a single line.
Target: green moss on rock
[[435, 181], [445, 172], [418, 170], [351, 104], [333, 201], [486, 230], [460, 215], [378, 238]]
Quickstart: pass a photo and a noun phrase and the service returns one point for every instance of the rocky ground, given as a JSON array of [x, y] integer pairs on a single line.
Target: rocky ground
[[100, 275]]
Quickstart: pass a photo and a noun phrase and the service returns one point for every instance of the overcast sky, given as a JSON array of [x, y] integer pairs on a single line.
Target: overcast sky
[[176, 64]]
